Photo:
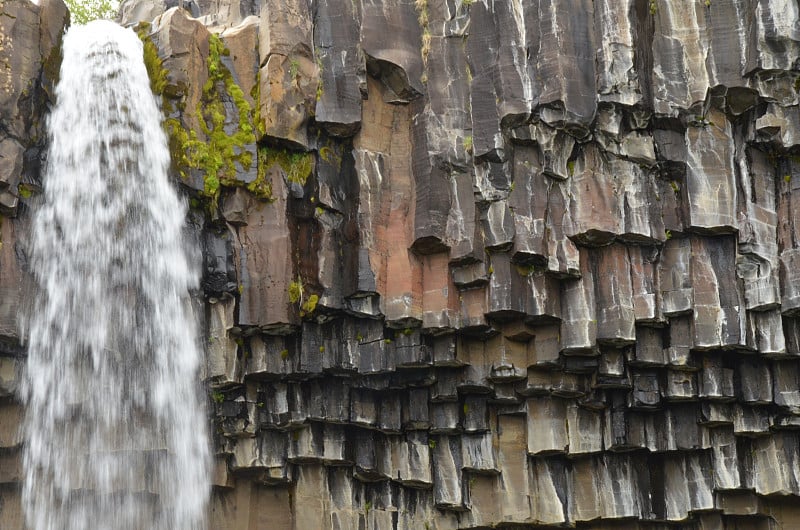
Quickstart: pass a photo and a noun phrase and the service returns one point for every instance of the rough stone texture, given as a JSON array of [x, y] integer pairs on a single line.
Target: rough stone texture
[[518, 264], [30, 37]]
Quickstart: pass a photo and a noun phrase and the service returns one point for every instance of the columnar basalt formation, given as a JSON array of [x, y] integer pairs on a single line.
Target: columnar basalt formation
[[470, 263]]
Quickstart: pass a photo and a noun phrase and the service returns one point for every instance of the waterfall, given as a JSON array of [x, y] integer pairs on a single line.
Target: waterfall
[[115, 432]]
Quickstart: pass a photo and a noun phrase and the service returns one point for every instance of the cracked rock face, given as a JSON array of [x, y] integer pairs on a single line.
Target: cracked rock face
[[469, 263]]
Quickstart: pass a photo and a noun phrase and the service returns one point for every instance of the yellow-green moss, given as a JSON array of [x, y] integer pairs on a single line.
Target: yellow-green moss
[[422, 17], [219, 153], [309, 306], [297, 166], [155, 67], [526, 269], [261, 187], [24, 191], [468, 144], [295, 291]]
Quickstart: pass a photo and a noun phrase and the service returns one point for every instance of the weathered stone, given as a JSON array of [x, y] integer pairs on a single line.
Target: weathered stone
[[391, 38], [222, 363], [710, 182], [566, 68], [612, 198], [618, 79], [341, 66], [133, 11], [263, 261], [242, 43], [14, 287], [579, 321], [29, 34], [382, 164], [183, 45], [288, 87]]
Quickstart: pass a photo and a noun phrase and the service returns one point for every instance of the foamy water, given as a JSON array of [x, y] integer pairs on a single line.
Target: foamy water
[[115, 430]]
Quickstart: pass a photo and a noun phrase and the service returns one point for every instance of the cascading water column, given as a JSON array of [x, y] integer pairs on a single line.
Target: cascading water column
[[115, 431]]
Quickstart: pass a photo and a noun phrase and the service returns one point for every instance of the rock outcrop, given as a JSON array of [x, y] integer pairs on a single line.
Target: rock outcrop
[[471, 263]]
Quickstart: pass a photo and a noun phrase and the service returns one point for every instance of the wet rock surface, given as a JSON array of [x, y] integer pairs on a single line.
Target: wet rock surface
[[469, 264]]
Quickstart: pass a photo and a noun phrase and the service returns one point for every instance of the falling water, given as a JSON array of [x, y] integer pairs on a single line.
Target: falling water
[[115, 431]]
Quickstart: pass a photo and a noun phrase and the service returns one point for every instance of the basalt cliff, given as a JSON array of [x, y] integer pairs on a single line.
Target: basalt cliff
[[467, 264]]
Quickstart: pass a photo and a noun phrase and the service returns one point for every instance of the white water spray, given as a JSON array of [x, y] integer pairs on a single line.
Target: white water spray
[[115, 431]]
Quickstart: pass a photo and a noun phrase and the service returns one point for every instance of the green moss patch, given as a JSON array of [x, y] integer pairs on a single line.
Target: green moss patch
[[218, 154], [297, 166]]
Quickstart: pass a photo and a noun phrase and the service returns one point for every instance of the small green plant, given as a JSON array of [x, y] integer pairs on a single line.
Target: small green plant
[[787, 178], [466, 409], [294, 68], [653, 7], [367, 508], [218, 397], [675, 186], [284, 354], [467, 3], [387, 341], [468, 144], [571, 167], [668, 234], [432, 443], [24, 191]]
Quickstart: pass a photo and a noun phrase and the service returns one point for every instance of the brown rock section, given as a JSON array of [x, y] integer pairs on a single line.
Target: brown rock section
[[519, 264]]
